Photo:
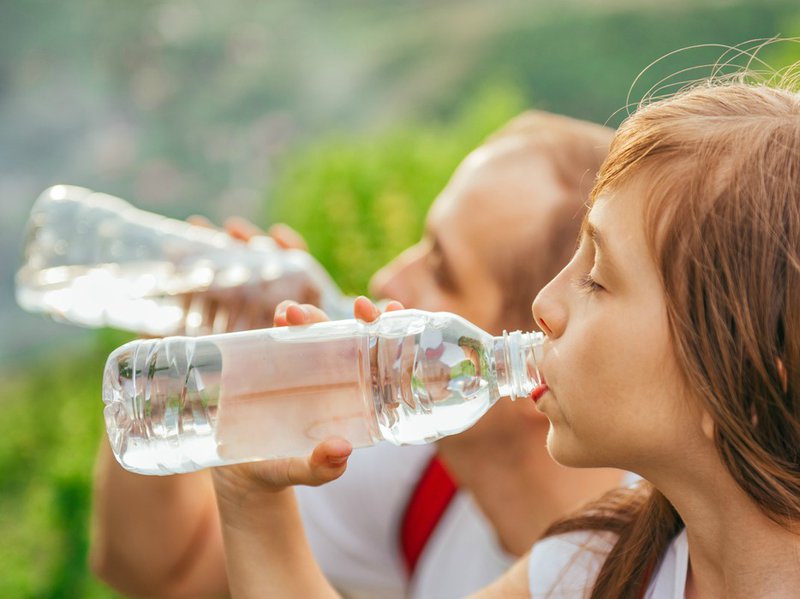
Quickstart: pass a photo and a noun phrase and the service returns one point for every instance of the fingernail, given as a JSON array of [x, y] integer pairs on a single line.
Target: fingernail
[[338, 460]]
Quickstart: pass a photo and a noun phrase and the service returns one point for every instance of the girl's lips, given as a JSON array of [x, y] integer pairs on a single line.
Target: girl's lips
[[540, 390]]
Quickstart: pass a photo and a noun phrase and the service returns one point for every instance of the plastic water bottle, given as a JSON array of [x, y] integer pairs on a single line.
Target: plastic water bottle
[[95, 260], [180, 404]]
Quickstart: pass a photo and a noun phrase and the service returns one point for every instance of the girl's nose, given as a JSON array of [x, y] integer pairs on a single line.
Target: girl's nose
[[550, 310]]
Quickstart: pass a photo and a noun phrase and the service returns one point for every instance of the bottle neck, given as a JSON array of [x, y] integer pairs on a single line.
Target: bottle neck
[[516, 359]]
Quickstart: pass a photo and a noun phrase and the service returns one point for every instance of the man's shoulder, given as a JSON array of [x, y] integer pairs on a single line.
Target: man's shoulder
[[378, 480], [352, 523]]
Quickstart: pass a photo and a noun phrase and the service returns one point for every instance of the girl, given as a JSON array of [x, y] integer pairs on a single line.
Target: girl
[[673, 351]]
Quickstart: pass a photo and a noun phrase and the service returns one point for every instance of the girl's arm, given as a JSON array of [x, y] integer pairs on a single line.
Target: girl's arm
[[511, 585], [266, 551]]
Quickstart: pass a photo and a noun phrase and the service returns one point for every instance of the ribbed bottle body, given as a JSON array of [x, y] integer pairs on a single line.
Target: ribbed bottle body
[[181, 404], [432, 376]]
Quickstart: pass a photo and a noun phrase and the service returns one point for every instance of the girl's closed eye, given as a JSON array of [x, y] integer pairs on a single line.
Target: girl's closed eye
[[588, 284]]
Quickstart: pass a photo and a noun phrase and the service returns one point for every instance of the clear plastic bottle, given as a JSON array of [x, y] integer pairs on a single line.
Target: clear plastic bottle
[[180, 404], [93, 259]]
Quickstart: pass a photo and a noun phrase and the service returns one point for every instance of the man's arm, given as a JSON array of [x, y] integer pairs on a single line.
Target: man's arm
[[156, 536]]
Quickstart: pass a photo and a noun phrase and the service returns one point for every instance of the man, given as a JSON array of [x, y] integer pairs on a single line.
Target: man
[[426, 521]]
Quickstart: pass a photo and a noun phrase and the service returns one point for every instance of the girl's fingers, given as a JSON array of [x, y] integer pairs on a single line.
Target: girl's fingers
[[279, 318], [315, 314], [290, 313], [365, 310], [329, 460], [394, 305], [298, 314]]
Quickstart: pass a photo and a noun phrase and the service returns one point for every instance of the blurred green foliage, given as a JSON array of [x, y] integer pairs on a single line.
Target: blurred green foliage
[[357, 198], [51, 426], [359, 201]]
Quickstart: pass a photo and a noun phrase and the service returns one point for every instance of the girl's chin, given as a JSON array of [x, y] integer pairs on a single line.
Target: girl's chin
[[567, 454]]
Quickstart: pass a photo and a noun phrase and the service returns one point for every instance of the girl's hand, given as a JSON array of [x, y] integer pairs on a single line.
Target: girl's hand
[[328, 461], [364, 309]]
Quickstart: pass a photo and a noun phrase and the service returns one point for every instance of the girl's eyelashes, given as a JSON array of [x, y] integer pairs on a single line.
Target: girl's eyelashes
[[588, 284]]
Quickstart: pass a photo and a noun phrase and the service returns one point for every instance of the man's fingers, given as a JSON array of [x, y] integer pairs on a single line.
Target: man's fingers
[[394, 305], [200, 221], [241, 228], [287, 238]]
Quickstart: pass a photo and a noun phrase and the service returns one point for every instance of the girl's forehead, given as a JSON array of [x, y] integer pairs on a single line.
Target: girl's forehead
[[616, 221], [602, 214]]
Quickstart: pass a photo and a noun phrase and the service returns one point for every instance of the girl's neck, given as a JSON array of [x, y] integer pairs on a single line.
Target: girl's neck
[[735, 550]]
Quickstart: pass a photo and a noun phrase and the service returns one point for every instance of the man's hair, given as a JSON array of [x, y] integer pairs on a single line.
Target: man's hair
[[575, 149]]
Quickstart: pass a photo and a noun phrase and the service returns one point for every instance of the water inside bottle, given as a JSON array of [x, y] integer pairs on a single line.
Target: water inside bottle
[[232, 398], [130, 296], [285, 390], [161, 405], [280, 396], [160, 298], [180, 404], [440, 384]]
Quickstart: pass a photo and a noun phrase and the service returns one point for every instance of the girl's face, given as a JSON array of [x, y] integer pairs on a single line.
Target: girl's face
[[616, 397]]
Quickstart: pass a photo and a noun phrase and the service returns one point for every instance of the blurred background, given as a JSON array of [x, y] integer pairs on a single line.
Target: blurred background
[[343, 119]]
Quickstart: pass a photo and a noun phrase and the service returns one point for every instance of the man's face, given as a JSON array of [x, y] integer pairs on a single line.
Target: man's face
[[501, 200]]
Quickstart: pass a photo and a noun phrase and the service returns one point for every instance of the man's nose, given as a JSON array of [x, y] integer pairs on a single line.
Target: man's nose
[[391, 281], [379, 282]]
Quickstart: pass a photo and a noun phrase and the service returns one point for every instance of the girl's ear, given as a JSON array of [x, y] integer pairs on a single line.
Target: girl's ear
[[782, 375], [707, 424]]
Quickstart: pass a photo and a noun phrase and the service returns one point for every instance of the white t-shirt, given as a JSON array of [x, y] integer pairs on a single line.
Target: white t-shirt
[[566, 566], [353, 527]]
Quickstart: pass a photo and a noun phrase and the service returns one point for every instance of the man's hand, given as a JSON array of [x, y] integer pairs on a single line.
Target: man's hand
[[251, 304]]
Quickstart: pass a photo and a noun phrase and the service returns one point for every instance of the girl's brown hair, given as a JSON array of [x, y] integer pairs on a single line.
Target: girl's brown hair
[[720, 166]]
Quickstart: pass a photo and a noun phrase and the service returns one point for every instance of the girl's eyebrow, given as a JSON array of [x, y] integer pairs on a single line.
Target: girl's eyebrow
[[595, 235]]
